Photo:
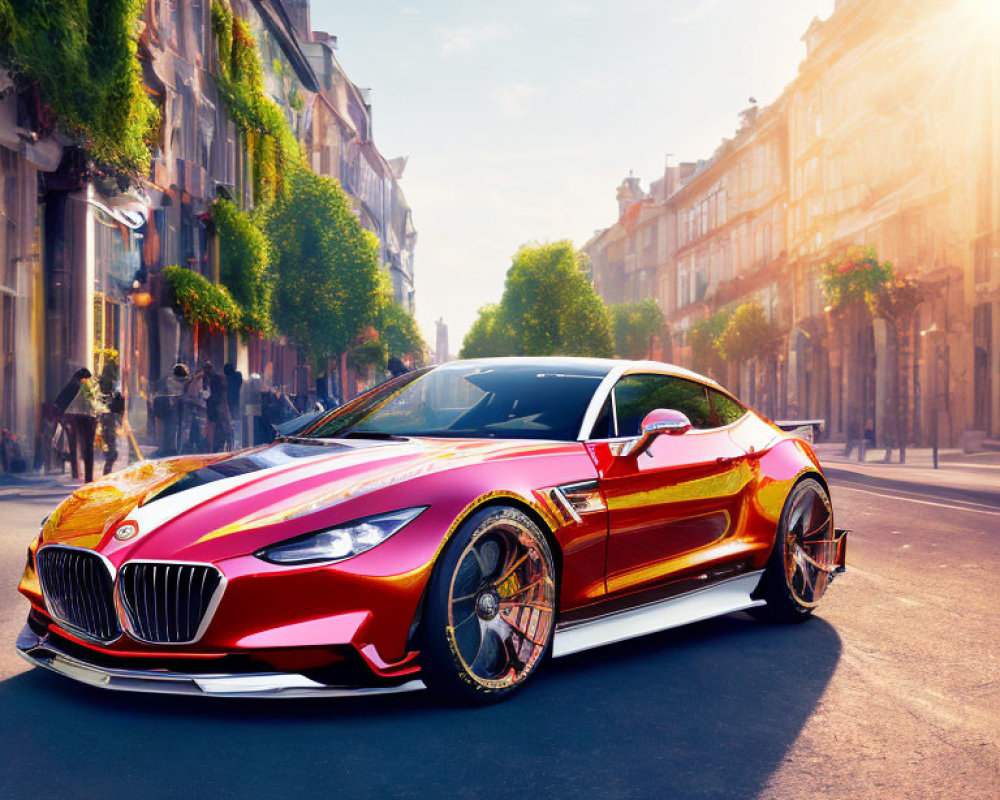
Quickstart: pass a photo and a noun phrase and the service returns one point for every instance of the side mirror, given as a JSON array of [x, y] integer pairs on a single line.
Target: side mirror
[[657, 422]]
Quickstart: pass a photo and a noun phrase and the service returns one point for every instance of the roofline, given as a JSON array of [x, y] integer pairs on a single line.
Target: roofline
[[276, 18]]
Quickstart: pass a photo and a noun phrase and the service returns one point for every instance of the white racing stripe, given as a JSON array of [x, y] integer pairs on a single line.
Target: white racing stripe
[[158, 512]]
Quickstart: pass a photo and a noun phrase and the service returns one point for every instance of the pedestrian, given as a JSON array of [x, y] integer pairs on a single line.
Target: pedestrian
[[111, 420], [234, 389], [396, 367], [194, 415], [219, 426], [79, 415], [168, 408]]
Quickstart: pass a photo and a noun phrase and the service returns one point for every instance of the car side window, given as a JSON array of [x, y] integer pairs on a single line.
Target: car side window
[[725, 410], [604, 424], [637, 395]]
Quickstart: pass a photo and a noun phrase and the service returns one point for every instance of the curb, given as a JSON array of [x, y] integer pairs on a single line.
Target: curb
[[937, 491]]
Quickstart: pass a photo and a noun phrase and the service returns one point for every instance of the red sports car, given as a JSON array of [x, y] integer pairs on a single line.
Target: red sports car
[[451, 528]]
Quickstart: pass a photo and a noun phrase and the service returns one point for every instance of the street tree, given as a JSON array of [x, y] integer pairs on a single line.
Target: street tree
[[750, 337], [703, 338], [551, 307], [398, 331], [488, 336], [635, 326], [849, 280], [896, 301], [326, 267]]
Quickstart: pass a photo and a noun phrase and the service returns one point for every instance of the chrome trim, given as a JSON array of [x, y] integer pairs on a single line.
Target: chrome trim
[[210, 609], [565, 504], [597, 400], [49, 606], [40, 652], [733, 594], [641, 443]]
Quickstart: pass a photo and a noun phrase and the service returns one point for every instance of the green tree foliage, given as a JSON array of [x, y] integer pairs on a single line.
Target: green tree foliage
[[245, 264], [748, 335], [854, 277], [200, 301], [488, 336], [82, 57], [548, 308], [270, 144], [703, 338], [325, 265], [634, 325], [398, 330]]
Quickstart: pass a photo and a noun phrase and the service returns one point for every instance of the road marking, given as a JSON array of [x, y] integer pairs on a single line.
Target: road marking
[[984, 509]]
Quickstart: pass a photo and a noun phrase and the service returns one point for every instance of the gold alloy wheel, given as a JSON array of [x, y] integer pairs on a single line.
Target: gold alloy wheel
[[810, 547], [501, 604]]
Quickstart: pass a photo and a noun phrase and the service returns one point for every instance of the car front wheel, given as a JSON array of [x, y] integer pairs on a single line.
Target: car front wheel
[[490, 610]]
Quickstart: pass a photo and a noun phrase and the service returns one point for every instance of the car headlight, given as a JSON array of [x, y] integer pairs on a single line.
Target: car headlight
[[340, 542]]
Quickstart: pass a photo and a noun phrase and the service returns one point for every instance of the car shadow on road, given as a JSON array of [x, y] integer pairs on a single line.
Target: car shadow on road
[[706, 711]]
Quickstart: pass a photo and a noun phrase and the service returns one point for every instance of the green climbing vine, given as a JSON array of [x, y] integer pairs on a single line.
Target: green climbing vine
[[270, 144], [245, 264], [81, 57], [200, 301]]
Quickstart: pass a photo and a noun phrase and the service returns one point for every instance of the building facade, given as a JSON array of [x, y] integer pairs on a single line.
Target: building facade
[[886, 138], [81, 254]]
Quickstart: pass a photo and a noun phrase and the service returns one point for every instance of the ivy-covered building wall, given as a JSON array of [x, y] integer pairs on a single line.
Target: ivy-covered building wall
[[100, 234]]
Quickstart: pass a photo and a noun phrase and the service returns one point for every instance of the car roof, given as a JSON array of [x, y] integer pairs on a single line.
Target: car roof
[[596, 366]]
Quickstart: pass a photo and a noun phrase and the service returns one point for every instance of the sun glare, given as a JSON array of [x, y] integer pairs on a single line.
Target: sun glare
[[984, 11]]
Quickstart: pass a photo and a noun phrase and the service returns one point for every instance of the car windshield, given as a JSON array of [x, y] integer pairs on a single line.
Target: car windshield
[[472, 400]]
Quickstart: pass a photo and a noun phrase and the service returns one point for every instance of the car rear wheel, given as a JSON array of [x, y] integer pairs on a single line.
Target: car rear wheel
[[490, 609], [798, 571]]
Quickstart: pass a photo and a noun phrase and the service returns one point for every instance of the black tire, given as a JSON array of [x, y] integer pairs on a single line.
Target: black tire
[[490, 609], [793, 584]]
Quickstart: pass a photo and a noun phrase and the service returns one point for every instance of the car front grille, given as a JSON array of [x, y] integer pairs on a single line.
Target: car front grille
[[167, 603], [78, 586]]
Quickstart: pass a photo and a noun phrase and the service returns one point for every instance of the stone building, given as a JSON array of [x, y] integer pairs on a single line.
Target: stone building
[[886, 138], [81, 255]]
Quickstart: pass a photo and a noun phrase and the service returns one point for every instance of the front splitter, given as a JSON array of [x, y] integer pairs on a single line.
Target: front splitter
[[41, 651]]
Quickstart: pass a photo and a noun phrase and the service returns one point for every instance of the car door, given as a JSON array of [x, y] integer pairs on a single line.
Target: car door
[[674, 511]]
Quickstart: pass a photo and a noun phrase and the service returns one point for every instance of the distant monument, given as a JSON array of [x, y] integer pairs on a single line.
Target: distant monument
[[441, 343]]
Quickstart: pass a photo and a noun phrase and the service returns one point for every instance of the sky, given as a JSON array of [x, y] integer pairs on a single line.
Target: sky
[[521, 118]]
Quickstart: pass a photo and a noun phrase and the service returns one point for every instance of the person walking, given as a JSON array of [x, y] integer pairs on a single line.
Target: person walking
[[219, 428], [234, 387], [79, 414], [169, 407], [194, 414], [111, 421]]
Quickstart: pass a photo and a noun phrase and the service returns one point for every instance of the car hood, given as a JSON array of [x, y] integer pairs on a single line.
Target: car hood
[[181, 502]]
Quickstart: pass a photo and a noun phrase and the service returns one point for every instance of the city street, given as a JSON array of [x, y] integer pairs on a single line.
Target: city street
[[890, 692]]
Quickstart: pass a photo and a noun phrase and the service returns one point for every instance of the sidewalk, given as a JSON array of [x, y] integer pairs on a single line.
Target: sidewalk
[[969, 476], [34, 485]]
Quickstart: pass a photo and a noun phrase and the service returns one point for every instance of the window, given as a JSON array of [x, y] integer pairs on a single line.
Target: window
[[725, 410], [637, 395], [604, 424]]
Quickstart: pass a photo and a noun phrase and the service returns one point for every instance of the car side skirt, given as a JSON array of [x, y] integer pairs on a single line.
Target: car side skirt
[[733, 594]]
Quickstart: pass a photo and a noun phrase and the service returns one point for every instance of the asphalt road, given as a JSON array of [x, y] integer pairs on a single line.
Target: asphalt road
[[890, 691]]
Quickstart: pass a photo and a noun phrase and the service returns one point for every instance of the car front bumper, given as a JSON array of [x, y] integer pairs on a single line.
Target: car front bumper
[[44, 650]]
